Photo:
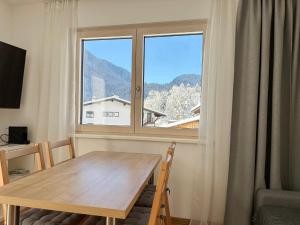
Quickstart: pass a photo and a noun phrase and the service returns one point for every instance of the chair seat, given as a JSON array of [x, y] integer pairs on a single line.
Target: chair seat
[[137, 216], [48, 217], [95, 220], [147, 196], [273, 215]]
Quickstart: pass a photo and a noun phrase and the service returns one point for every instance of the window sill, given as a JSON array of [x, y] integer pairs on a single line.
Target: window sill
[[139, 138]]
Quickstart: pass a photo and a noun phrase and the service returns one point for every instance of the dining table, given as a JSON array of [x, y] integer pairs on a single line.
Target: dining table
[[99, 183]]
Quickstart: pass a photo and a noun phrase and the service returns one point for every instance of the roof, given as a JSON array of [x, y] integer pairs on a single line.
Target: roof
[[196, 108], [180, 122], [111, 98], [117, 98]]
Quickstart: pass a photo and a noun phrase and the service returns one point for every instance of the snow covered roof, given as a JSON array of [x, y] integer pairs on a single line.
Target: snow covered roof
[[118, 99], [111, 98], [195, 109], [180, 122]]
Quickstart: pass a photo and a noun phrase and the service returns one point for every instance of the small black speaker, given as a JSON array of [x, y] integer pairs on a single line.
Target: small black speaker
[[18, 135]]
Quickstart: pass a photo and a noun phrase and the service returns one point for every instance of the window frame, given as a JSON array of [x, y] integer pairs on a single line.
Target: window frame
[[137, 32], [95, 34]]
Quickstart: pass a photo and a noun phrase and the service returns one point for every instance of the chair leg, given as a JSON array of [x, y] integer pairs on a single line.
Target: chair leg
[[158, 221], [167, 210], [4, 211]]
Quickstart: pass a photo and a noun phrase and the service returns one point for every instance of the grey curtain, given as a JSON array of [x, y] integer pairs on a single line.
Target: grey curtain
[[265, 138]]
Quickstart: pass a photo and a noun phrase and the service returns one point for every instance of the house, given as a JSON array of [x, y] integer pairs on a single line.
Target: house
[[114, 110], [196, 110], [191, 123]]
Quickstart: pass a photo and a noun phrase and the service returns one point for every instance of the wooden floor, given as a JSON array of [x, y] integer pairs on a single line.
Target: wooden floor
[[180, 221], [175, 221]]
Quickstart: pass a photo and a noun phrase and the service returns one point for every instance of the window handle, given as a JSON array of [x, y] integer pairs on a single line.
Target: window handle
[[137, 91]]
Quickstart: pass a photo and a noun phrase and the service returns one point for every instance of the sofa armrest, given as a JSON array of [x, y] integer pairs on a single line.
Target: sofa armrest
[[288, 199]]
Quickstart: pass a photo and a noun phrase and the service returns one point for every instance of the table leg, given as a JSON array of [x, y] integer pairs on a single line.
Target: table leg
[[17, 220], [11, 215], [110, 221]]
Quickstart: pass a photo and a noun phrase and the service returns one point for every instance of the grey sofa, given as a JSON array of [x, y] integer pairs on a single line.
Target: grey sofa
[[277, 208]]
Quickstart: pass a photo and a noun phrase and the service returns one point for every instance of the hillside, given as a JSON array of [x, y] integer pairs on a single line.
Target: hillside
[[186, 79], [98, 72]]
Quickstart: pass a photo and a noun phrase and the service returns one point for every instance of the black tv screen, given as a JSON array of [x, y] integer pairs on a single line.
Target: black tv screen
[[12, 63]]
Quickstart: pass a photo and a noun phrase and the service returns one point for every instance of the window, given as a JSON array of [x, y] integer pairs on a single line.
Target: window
[[111, 114], [106, 79], [172, 67], [89, 114], [149, 118], [143, 79]]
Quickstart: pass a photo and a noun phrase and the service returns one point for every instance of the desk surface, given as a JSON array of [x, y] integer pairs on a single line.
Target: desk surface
[[14, 147], [98, 183]]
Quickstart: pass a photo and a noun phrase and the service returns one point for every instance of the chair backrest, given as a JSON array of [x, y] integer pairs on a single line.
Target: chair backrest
[[50, 146], [7, 155], [170, 156], [161, 186], [171, 151]]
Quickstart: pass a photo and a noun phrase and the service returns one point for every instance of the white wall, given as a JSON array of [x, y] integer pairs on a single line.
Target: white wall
[[5, 34], [26, 25], [5, 21], [27, 33], [115, 12]]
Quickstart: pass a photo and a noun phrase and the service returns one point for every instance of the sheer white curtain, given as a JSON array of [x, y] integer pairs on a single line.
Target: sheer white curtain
[[56, 117], [211, 173]]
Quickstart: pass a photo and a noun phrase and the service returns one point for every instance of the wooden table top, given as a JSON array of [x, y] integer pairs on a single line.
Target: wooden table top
[[98, 183]]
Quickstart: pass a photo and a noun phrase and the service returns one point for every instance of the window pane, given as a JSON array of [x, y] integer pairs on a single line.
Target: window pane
[[106, 76], [172, 80]]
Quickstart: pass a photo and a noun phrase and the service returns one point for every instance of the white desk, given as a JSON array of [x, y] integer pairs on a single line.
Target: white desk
[[13, 147]]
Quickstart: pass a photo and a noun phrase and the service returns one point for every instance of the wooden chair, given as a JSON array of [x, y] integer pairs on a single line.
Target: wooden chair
[[7, 155], [34, 215], [147, 196], [161, 197], [166, 205], [50, 146], [145, 215]]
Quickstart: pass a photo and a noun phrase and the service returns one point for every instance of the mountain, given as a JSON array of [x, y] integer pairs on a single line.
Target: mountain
[[186, 79], [103, 79]]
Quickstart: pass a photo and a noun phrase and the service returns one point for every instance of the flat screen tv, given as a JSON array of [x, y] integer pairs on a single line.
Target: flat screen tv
[[12, 63]]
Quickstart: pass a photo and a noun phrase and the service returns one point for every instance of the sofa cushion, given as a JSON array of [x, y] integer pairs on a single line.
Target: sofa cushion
[[272, 215]]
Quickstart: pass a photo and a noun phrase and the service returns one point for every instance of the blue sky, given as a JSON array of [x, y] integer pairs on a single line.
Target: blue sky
[[166, 57], [117, 51]]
